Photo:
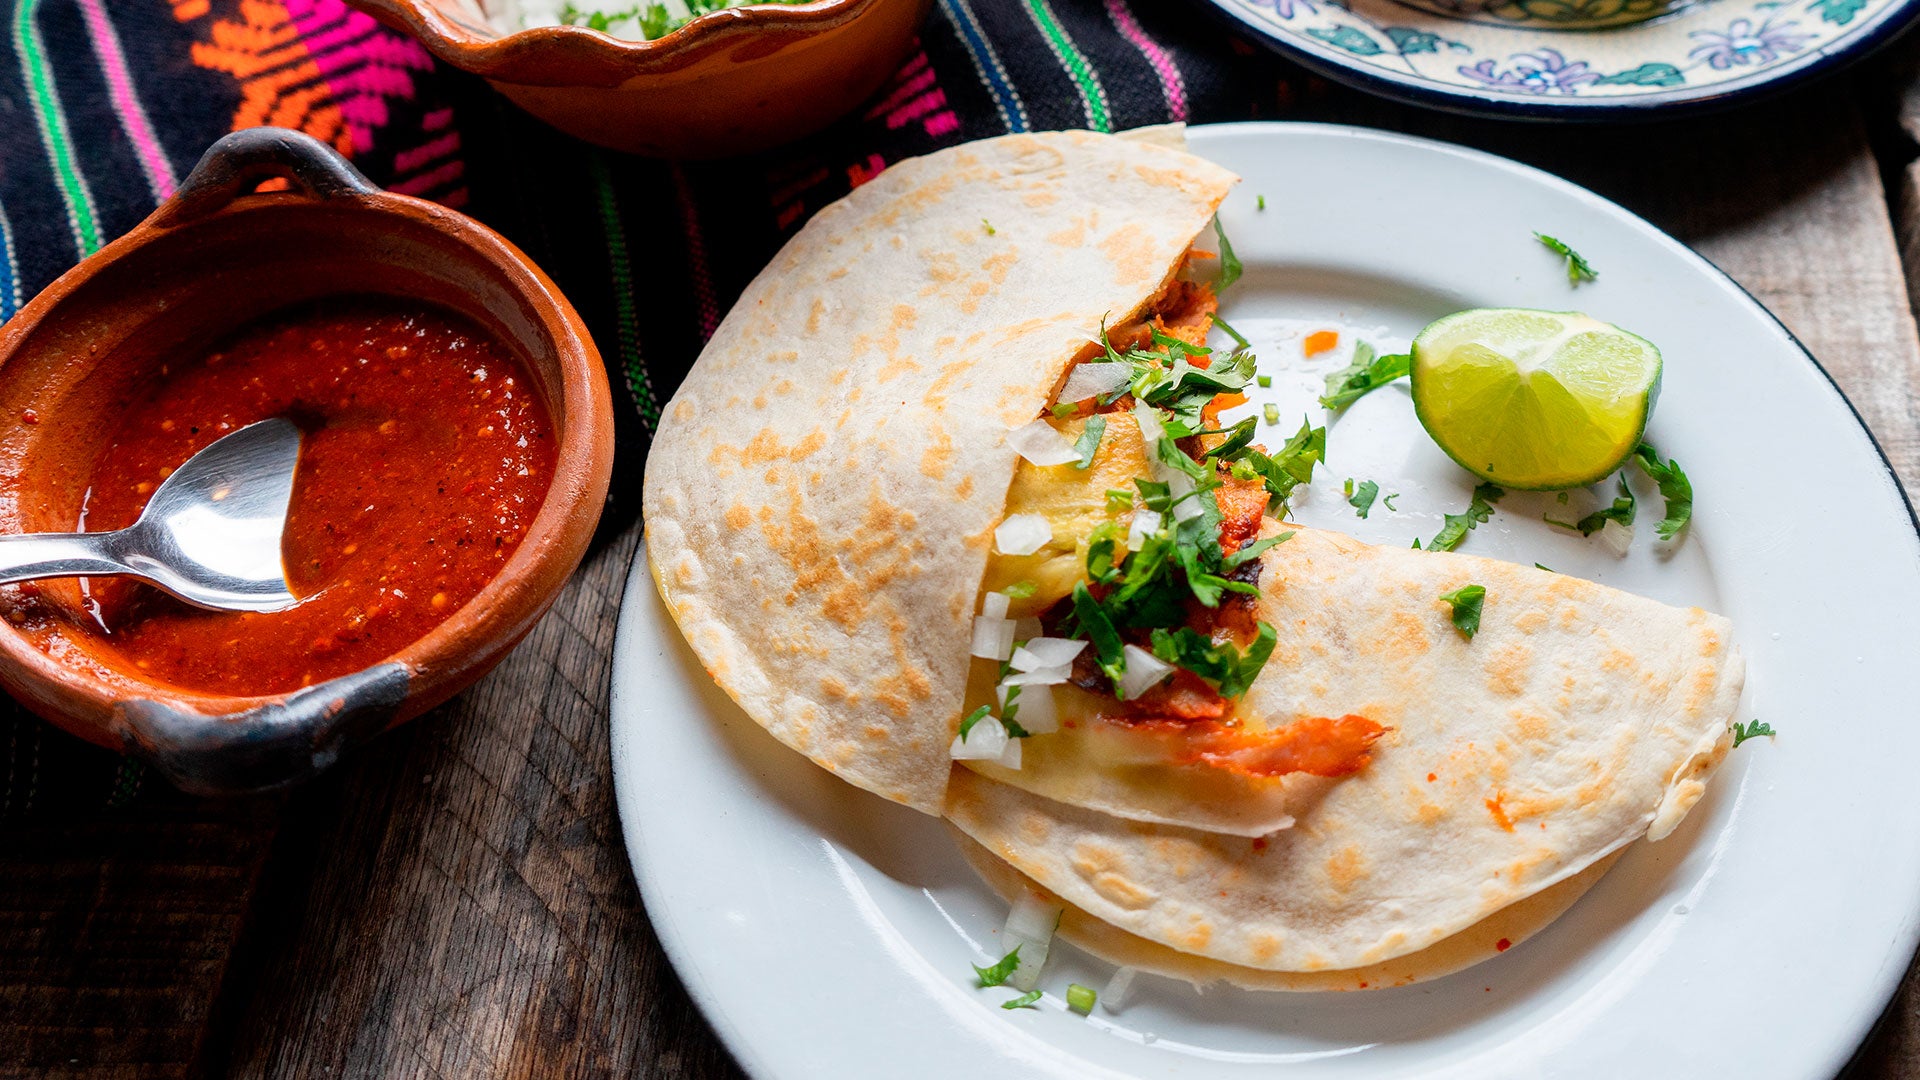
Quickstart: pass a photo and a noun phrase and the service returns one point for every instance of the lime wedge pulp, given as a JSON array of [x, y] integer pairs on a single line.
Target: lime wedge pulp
[[1537, 400]]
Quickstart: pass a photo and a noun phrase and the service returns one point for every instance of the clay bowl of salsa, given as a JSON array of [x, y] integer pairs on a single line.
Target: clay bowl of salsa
[[457, 440]]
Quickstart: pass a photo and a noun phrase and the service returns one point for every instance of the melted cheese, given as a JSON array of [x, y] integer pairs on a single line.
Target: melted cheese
[[1074, 502]]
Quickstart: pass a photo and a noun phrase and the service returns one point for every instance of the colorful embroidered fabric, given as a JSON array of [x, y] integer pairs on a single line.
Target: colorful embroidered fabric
[[105, 104]]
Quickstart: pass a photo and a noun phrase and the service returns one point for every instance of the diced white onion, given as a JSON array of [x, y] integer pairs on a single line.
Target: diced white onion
[[1144, 672], [1149, 420], [1010, 756], [1052, 652], [1145, 524], [1037, 712], [994, 605], [1114, 997], [1039, 443], [986, 740], [1046, 676], [1617, 537], [1087, 380], [1030, 928], [1180, 489], [992, 638], [1022, 534]]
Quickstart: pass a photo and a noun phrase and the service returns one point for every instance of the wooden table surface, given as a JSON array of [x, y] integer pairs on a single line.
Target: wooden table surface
[[455, 900]]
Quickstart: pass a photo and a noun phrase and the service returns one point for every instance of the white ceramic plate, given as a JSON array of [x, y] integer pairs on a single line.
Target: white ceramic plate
[[828, 934]]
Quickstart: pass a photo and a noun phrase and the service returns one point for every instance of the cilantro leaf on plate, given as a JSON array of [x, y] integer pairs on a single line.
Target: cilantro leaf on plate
[[1674, 487], [1578, 269], [999, 971], [1458, 525], [1743, 732], [1364, 375], [1361, 497]]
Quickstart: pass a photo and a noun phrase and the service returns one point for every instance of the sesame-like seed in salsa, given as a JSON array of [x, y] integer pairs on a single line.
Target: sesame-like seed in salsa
[[427, 454]]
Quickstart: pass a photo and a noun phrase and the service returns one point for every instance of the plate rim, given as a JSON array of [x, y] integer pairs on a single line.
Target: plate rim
[[1845, 1046], [1885, 27]]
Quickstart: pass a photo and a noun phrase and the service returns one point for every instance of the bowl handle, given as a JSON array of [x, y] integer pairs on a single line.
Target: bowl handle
[[236, 164], [264, 747]]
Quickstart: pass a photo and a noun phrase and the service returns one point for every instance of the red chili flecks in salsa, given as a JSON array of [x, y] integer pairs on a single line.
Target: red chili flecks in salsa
[[427, 454]]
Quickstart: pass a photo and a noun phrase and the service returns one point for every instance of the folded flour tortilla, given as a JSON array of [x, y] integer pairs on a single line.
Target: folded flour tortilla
[[1579, 719], [1484, 940], [821, 494]]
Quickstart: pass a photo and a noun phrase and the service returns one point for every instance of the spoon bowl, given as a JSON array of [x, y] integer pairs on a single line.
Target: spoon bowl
[[210, 534]]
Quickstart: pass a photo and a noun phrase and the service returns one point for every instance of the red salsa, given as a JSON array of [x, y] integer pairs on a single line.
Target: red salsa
[[427, 453]]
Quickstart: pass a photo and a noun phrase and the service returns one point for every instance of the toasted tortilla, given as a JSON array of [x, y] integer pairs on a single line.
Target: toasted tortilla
[[1578, 719], [1482, 941], [821, 494]]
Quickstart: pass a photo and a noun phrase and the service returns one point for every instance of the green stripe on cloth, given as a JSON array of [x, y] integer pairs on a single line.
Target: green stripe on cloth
[[626, 314], [1092, 94], [53, 127]]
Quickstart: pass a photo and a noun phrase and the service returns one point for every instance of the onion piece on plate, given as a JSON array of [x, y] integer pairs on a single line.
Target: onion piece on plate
[[1030, 927]]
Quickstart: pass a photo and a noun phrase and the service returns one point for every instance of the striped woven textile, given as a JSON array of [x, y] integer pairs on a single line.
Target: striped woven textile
[[105, 104]]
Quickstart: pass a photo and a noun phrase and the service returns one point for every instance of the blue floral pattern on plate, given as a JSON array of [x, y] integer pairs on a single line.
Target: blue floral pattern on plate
[[1530, 57]]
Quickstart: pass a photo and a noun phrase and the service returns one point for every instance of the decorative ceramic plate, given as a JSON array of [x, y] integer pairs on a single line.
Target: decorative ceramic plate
[[828, 933], [1589, 59]]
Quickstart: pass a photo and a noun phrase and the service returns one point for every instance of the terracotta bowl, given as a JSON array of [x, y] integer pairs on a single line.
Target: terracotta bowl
[[216, 256], [729, 82]]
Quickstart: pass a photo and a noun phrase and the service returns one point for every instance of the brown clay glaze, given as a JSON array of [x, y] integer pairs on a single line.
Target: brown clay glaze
[[729, 82], [212, 260]]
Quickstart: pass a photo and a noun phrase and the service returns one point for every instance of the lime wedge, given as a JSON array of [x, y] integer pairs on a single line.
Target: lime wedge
[[1537, 400]]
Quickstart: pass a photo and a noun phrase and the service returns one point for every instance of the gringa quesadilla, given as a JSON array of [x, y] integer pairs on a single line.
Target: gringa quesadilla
[[947, 505]]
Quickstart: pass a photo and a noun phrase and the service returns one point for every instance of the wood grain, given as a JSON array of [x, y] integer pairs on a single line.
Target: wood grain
[[471, 911], [114, 937]]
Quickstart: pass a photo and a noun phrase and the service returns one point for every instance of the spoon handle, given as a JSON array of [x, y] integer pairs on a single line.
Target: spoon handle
[[45, 555]]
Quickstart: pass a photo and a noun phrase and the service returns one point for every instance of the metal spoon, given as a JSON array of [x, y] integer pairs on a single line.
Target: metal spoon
[[210, 534]]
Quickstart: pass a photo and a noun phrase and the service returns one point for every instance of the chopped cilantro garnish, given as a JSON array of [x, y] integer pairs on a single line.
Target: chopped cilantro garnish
[[1119, 501], [1271, 413], [1259, 202], [973, 718], [1253, 551], [1020, 590], [988, 225], [1097, 626], [1088, 443], [1264, 380], [1228, 329], [1466, 602], [1217, 662], [1229, 262], [1081, 998], [1292, 465], [1361, 498], [1479, 510], [1387, 501], [1743, 732], [1365, 374], [1620, 512], [1543, 566], [1065, 409], [1674, 487], [1024, 1001], [1000, 969], [1578, 269]]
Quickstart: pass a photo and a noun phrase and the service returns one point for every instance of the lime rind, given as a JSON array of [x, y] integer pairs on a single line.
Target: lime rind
[[1534, 400]]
